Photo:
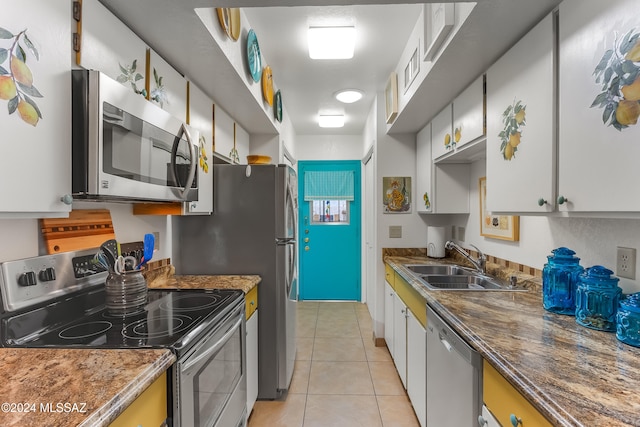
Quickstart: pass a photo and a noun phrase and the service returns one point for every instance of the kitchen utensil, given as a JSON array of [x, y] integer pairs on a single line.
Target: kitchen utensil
[[110, 251], [597, 298], [149, 243], [559, 281]]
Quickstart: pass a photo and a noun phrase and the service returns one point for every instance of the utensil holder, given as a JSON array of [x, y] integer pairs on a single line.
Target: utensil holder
[[126, 293]]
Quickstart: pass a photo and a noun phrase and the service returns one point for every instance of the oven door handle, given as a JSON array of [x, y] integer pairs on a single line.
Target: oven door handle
[[213, 349]]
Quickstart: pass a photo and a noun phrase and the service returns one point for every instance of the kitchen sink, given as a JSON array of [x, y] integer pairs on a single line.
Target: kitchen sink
[[457, 278], [439, 269], [471, 282]]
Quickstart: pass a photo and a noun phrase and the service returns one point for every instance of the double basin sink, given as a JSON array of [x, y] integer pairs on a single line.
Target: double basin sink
[[455, 277]]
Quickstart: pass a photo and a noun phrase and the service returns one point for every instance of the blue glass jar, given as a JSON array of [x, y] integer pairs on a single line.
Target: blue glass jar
[[559, 281], [628, 320], [597, 299]]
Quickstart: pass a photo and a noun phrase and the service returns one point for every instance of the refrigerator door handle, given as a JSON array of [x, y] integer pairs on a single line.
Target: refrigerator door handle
[[285, 241]]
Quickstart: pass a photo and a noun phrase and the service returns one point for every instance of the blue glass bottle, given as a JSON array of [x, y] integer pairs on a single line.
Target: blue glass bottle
[[597, 299], [559, 281]]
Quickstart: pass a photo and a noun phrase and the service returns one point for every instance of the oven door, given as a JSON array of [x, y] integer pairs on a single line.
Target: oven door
[[211, 387]]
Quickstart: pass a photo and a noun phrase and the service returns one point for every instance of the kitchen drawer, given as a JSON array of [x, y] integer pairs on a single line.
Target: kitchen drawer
[[389, 275], [150, 408], [251, 301], [503, 400]]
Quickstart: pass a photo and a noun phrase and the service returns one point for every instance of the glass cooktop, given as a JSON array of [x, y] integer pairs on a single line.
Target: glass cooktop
[[171, 319]]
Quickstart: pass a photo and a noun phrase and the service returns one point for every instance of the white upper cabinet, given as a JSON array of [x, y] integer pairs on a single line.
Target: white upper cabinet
[[201, 119], [109, 46], [424, 166], [35, 108], [441, 131], [520, 147], [167, 87], [468, 114], [599, 84], [224, 144], [242, 143]]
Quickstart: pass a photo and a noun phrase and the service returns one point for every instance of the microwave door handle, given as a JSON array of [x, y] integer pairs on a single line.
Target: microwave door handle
[[213, 349], [192, 155]]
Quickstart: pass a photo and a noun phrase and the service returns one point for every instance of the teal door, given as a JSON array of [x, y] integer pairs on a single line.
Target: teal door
[[330, 230]]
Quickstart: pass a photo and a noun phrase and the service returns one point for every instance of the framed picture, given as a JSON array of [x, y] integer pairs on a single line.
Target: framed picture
[[438, 22], [396, 194], [391, 98], [411, 69], [505, 227]]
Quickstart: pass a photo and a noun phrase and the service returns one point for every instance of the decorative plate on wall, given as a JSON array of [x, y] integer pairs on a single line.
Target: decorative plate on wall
[[267, 85], [253, 56], [277, 109], [229, 18]]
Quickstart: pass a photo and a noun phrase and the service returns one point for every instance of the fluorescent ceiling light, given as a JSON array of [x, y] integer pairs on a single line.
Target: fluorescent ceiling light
[[349, 96], [330, 121], [331, 42]]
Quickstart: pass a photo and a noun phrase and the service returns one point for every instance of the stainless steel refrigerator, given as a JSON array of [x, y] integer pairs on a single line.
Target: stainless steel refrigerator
[[252, 231]]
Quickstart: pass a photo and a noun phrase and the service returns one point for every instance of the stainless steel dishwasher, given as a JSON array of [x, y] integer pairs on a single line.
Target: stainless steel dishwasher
[[454, 377]]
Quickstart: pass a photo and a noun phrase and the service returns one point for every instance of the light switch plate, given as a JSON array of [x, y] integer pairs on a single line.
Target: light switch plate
[[461, 233], [395, 231]]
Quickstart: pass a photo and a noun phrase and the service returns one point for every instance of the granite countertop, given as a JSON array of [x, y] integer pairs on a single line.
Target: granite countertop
[[573, 375], [164, 278], [92, 387]]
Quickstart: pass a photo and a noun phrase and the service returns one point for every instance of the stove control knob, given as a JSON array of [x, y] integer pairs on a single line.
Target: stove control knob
[[47, 275], [27, 279]]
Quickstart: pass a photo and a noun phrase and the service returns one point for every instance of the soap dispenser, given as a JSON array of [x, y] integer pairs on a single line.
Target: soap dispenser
[[559, 281]]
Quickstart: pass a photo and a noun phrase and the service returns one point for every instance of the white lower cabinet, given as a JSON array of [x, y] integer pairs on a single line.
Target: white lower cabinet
[[252, 361], [388, 317], [417, 367], [400, 338]]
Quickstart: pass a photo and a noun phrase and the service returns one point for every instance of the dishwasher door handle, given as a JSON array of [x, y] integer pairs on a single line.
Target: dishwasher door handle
[[445, 343]]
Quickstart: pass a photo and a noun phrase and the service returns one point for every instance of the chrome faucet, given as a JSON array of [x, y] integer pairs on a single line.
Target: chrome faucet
[[480, 264]]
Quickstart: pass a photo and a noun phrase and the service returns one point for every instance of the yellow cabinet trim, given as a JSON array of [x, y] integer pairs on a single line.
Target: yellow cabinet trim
[[149, 409], [251, 301], [389, 275], [503, 399], [412, 299]]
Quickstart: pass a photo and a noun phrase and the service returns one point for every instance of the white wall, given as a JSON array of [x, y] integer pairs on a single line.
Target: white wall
[[328, 147], [21, 238]]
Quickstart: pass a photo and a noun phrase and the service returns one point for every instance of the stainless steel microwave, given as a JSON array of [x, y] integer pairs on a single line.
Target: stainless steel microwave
[[127, 148]]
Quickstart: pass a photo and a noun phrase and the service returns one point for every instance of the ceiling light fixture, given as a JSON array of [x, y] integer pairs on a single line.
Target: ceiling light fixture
[[331, 42], [349, 96], [331, 121]]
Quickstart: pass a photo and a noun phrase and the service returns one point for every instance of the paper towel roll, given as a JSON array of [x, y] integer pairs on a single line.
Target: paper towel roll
[[435, 242]]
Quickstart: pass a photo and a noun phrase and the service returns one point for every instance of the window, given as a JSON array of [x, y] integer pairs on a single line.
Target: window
[[329, 211]]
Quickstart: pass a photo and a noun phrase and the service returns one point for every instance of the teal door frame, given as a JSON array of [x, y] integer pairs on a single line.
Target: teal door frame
[[330, 254]]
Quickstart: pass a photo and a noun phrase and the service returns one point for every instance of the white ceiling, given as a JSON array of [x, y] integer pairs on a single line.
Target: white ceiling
[[308, 85], [172, 29]]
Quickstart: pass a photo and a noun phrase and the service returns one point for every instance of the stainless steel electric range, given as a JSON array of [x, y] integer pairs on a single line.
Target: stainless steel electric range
[[59, 301]]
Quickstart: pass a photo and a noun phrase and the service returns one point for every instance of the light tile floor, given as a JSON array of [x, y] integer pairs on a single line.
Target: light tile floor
[[340, 377]]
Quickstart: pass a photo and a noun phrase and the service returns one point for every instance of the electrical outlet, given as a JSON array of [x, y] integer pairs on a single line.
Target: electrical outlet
[[626, 263], [461, 234]]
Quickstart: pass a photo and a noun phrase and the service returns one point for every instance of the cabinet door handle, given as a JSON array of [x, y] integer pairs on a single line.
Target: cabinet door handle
[[541, 201], [515, 420], [562, 200], [481, 421]]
